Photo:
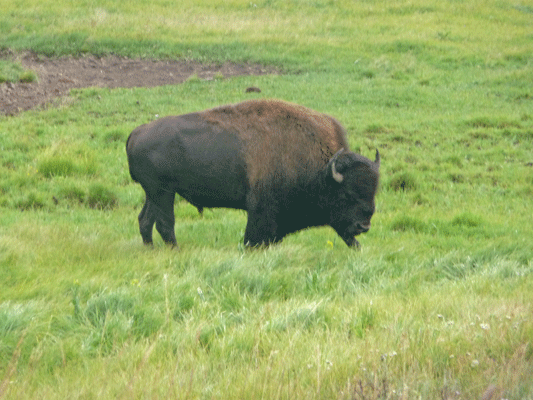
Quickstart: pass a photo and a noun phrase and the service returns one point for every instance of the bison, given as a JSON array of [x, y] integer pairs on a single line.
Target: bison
[[288, 166]]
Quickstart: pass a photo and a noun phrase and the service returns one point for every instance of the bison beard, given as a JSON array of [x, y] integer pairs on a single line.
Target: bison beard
[[288, 166]]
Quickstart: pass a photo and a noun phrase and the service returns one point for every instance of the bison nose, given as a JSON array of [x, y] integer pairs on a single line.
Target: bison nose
[[363, 227]]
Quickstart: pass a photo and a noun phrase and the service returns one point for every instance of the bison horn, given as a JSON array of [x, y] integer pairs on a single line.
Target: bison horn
[[377, 161], [336, 175]]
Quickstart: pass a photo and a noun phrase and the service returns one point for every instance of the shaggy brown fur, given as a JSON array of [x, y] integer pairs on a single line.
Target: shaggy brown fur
[[278, 134]]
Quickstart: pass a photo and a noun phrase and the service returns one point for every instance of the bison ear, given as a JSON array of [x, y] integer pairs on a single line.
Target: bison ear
[[337, 176], [377, 161]]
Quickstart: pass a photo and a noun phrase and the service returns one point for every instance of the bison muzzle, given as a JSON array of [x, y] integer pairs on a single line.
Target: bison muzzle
[[288, 166]]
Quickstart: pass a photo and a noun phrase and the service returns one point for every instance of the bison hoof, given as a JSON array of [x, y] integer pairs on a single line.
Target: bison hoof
[[352, 243]]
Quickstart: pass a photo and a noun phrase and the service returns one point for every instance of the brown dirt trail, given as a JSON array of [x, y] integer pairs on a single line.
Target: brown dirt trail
[[56, 76]]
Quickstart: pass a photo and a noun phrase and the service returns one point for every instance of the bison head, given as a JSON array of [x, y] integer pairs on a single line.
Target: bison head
[[353, 182]]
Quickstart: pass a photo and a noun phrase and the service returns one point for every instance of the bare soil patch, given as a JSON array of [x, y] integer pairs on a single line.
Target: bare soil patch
[[58, 75]]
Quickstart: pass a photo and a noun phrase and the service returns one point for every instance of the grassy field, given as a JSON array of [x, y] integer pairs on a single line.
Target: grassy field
[[438, 303]]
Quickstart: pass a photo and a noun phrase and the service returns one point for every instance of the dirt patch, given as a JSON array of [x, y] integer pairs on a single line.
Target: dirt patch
[[58, 75]]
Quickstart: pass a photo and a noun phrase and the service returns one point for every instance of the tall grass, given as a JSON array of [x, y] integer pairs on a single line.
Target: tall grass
[[436, 304]]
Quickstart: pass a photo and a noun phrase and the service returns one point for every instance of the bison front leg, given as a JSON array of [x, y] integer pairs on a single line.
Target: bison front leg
[[259, 232], [262, 225]]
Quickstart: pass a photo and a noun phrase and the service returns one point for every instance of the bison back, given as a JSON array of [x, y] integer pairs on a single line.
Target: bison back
[[187, 155]]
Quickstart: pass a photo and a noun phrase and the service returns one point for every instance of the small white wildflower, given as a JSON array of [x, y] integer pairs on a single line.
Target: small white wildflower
[[440, 316], [485, 327], [475, 363], [200, 293]]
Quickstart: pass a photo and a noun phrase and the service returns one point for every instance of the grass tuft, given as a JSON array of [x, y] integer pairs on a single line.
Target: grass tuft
[[405, 181], [28, 77], [31, 201], [13, 72], [56, 166], [406, 223], [101, 197], [73, 193], [467, 219]]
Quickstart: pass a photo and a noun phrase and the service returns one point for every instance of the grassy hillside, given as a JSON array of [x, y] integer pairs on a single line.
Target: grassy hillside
[[436, 304]]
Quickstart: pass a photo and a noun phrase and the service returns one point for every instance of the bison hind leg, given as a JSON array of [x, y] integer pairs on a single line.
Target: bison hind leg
[[165, 217], [158, 209], [147, 219]]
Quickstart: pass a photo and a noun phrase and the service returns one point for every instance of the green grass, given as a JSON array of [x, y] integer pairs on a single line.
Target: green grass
[[436, 304], [13, 72]]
